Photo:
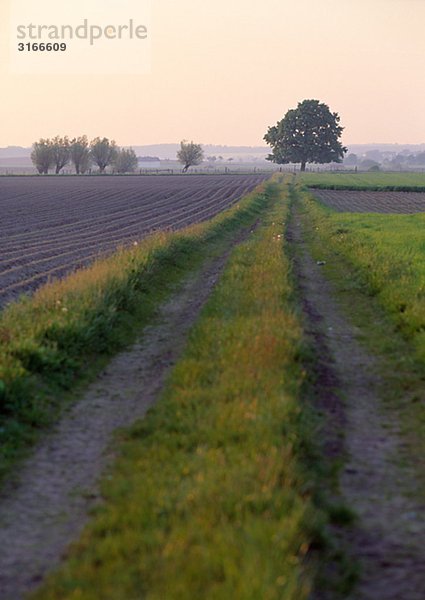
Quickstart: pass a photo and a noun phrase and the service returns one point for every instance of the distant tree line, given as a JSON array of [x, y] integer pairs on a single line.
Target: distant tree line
[[58, 152], [390, 161]]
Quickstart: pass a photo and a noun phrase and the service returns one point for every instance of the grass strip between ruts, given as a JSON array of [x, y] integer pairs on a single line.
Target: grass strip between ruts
[[57, 339], [209, 497]]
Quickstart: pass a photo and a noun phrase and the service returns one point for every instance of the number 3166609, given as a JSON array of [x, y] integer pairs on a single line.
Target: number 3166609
[[42, 47]]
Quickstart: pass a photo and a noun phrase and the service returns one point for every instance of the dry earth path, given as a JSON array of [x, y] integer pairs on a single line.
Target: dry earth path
[[388, 538], [49, 505]]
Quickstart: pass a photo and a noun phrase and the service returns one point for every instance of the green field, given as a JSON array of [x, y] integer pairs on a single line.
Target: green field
[[387, 253], [364, 181]]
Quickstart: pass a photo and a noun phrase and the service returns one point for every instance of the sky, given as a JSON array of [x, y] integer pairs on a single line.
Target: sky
[[222, 71]]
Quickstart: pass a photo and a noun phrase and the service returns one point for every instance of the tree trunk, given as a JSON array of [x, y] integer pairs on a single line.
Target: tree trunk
[[303, 164]]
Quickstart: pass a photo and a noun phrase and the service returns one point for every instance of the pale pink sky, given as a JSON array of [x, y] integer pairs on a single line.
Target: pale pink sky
[[223, 70]]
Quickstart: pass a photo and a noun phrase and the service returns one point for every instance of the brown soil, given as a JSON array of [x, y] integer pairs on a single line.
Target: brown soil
[[49, 505], [378, 202], [52, 226], [387, 539]]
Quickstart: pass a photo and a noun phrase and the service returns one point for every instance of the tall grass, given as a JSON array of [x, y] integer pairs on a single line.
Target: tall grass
[[51, 341], [387, 253], [209, 498]]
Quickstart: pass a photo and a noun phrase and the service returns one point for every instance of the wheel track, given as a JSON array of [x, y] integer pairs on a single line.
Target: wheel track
[[377, 479], [49, 505]]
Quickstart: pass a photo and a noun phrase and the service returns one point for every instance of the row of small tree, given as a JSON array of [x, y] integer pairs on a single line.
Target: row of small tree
[[59, 152], [308, 133]]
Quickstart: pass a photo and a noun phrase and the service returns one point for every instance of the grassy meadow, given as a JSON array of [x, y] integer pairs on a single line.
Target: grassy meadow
[[364, 181]]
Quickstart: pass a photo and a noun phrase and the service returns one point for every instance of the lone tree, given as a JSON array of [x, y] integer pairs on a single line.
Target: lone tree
[[125, 161], [190, 154], [60, 152], [42, 156], [80, 154], [103, 152], [308, 133]]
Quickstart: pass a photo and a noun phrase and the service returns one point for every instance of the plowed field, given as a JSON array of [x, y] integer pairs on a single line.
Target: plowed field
[[377, 202], [51, 226]]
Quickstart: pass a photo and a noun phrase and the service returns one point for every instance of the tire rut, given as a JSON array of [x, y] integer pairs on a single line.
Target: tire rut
[[387, 538]]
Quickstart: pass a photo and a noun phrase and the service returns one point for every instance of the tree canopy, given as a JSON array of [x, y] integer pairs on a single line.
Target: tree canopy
[[42, 155], [190, 154], [80, 154], [125, 161], [60, 152], [103, 152], [308, 133]]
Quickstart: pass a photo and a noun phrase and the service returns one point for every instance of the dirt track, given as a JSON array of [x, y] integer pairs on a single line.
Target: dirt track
[[51, 226], [48, 507], [388, 537]]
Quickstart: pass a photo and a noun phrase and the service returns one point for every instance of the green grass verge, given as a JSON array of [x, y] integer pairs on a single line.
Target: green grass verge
[[377, 263], [210, 497], [61, 336], [364, 181]]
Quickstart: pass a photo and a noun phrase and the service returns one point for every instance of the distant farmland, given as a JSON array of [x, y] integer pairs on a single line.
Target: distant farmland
[[51, 226], [374, 201]]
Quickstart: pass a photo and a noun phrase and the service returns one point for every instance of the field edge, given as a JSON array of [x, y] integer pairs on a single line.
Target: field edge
[[55, 342]]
